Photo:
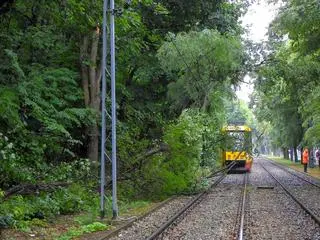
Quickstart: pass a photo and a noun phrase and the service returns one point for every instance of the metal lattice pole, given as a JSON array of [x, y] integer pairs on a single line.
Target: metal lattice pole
[[113, 111], [104, 110]]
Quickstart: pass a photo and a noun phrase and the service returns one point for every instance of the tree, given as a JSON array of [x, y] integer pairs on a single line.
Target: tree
[[291, 74], [50, 96], [198, 62]]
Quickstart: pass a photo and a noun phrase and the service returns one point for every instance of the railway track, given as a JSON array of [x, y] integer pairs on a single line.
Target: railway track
[[295, 174], [242, 210], [272, 213], [189, 205], [310, 212], [234, 208]]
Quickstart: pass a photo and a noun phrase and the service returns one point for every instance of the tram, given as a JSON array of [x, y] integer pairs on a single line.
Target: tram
[[237, 147]]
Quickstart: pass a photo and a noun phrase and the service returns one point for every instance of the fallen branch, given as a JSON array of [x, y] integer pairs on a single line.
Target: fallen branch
[[162, 148], [141, 159], [29, 189]]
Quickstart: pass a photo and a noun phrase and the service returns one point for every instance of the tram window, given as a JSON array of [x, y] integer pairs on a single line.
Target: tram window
[[238, 141]]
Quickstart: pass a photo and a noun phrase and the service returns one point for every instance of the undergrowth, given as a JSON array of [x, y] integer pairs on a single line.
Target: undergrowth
[[78, 231], [23, 211], [27, 213]]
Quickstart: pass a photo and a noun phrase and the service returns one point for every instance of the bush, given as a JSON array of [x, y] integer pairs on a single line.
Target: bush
[[30, 168], [75, 232], [12, 168], [193, 151], [19, 210], [183, 162]]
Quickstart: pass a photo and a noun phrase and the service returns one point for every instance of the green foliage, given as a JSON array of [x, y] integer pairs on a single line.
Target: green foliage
[[41, 101], [9, 105], [11, 67], [12, 168], [39, 113], [237, 112], [78, 231], [15, 168], [311, 112], [300, 19], [194, 145], [199, 14], [49, 96], [198, 63], [185, 148], [194, 141], [20, 211], [286, 91], [6, 221], [42, 109]]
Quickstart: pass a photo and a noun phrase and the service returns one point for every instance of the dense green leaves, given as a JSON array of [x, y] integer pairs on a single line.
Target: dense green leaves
[[198, 62], [300, 19], [286, 88], [176, 64]]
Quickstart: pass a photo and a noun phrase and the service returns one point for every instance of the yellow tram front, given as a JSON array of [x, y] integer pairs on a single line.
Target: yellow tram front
[[238, 147]]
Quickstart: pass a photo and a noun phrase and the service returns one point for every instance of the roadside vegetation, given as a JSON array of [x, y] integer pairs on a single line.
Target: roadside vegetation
[[296, 165], [286, 97], [178, 63]]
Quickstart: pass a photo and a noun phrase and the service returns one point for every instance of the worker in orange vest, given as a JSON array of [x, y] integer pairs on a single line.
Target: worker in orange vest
[[305, 158]]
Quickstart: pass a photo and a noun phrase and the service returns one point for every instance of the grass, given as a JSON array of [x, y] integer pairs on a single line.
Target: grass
[[78, 231], [66, 227], [135, 208], [88, 222], [315, 172]]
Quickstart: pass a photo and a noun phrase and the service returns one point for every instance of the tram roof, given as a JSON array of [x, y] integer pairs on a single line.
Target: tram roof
[[242, 128]]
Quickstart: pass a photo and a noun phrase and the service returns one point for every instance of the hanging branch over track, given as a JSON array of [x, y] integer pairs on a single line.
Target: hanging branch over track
[[29, 189]]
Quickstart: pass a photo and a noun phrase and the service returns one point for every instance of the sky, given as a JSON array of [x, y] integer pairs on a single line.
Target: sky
[[258, 18]]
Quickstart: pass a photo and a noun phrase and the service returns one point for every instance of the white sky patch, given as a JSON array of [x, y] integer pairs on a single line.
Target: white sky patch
[[246, 89], [257, 19]]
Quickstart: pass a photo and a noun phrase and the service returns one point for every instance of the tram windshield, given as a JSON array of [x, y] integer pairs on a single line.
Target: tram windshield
[[237, 141]]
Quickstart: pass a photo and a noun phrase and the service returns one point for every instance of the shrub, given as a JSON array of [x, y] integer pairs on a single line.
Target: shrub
[[192, 152], [19, 211], [75, 232]]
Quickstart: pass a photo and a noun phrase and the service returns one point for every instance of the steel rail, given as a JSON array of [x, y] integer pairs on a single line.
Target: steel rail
[[164, 226], [294, 174], [243, 207], [114, 232], [221, 170], [312, 214]]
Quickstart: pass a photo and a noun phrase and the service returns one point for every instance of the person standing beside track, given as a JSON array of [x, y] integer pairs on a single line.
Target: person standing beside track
[[318, 156], [305, 159]]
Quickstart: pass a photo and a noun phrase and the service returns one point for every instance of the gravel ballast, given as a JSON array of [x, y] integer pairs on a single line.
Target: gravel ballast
[[215, 217], [270, 212], [143, 228]]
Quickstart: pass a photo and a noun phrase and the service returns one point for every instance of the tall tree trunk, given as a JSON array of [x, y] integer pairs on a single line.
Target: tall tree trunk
[[295, 154], [311, 158], [291, 154], [205, 104], [84, 70], [91, 74], [283, 152], [93, 146]]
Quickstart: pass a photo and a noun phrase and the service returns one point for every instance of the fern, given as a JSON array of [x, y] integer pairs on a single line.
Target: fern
[[9, 107]]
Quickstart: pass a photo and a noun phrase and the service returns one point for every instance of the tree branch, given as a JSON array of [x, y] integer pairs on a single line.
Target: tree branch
[[27, 189]]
